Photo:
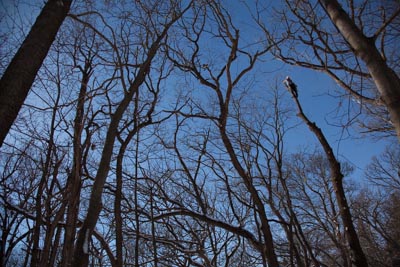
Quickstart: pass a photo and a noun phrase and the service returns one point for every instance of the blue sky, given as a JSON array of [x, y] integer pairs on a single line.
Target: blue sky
[[314, 89], [320, 107], [317, 94]]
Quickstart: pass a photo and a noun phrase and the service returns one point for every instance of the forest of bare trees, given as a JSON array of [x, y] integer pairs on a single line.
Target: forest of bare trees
[[159, 133]]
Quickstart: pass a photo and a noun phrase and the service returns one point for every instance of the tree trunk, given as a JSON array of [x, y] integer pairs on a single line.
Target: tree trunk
[[47, 165], [386, 80], [118, 212], [81, 253], [357, 255], [74, 183], [21, 72], [269, 248]]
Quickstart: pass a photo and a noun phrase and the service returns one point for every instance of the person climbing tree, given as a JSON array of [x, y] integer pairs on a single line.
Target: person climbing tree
[[291, 86]]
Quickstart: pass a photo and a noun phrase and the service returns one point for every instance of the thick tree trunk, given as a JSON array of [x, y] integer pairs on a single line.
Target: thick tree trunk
[[21, 72], [386, 80]]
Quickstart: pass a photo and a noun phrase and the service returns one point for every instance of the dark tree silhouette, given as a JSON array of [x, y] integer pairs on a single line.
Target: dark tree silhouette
[[386, 80], [21, 72], [357, 255]]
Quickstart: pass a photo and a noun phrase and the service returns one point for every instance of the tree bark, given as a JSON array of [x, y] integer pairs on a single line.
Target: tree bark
[[386, 80], [21, 72]]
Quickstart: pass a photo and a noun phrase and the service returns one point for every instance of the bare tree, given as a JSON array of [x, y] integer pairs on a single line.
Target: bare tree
[[377, 222], [14, 197], [269, 165], [222, 81], [375, 209], [354, 44], [153, 44], [87, 50], [21, 72], [386, 80], [150, 138], [357, 255], [145, 103], [314, 199], [384, 171]]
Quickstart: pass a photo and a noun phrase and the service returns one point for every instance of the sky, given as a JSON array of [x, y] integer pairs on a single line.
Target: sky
[[314, 88], [348, 144], [316, 94]]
